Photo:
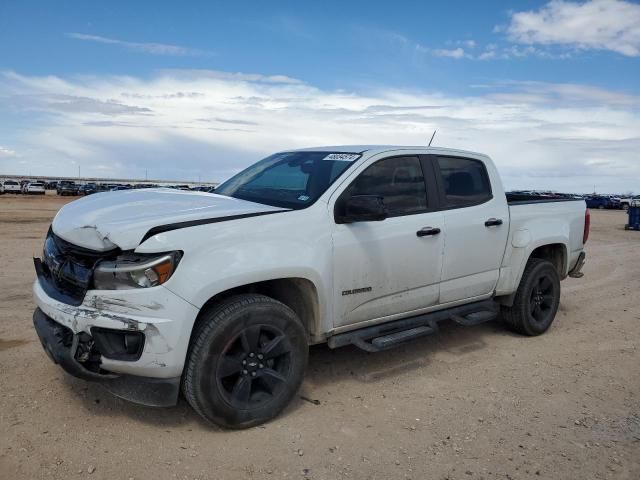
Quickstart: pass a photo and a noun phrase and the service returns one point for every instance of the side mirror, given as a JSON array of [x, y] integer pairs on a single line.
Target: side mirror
[[364, 208]]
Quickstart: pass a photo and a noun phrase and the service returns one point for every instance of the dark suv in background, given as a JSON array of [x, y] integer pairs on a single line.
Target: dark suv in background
[[67, 187], [88, 189]]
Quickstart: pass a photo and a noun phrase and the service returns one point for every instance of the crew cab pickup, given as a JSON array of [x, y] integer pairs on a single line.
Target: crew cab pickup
[[219, 295]]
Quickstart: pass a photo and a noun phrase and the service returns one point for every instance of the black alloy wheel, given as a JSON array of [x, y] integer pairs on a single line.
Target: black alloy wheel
[[536, 300], [254, 367], [246, 360], [541, 300]]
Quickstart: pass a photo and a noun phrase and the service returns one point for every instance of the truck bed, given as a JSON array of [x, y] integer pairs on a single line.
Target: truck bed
[[556, 220], [518, 199]]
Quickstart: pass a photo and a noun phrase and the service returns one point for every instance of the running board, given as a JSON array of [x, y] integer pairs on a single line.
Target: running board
[[389, 341], [391, 334], [475, 318]]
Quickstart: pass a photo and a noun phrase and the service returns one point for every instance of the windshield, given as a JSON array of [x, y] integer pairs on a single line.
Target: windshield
[[289, 179]]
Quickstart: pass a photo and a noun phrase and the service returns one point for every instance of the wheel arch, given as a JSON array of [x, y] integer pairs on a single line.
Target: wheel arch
[[299, 294], [555, 251]]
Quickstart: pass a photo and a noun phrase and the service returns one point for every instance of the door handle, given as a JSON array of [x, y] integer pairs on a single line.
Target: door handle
[[493, 222], [427, 231]]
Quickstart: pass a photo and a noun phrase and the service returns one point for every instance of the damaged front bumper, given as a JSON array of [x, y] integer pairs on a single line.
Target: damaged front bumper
[[81, 339], [61, 346]]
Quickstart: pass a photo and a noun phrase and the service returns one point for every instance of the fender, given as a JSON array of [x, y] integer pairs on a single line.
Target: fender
[[521, 244], [221, 256]]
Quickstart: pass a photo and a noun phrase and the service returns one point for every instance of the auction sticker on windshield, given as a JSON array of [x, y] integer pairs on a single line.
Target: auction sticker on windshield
[[342, 157]]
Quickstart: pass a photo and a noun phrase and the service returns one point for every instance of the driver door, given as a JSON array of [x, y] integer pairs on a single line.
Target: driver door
[[386, 269]]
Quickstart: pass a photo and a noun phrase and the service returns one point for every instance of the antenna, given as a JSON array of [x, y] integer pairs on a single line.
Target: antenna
[[434, 134]]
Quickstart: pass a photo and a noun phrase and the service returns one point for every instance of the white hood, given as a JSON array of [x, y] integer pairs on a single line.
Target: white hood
[[107, 220]]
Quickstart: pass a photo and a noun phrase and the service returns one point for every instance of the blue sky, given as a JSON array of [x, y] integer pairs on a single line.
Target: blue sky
[[117, 88]]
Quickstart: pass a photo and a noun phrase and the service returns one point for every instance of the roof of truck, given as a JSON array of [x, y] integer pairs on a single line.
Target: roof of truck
[[372, 149]]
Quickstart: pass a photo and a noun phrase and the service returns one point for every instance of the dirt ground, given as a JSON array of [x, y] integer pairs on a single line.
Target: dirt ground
[[469, 403]]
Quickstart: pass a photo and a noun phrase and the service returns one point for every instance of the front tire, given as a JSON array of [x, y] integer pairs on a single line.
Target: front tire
[[246, 361], [537, 299]]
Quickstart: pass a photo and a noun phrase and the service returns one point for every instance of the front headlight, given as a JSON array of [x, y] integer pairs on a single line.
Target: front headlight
[[133, 270]]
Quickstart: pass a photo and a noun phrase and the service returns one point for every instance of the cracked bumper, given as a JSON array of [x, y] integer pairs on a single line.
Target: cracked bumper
[[60, 345], [165, 319]]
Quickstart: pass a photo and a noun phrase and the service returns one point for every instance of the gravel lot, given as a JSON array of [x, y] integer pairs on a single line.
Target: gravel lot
[[468, 403]]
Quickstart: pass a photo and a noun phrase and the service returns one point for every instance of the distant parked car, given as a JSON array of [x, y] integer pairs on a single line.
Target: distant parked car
[[11, 186], [598, 201], [34, 188], [67, 187], [625, 202], [614, 203], [88, 189], [120, 187]]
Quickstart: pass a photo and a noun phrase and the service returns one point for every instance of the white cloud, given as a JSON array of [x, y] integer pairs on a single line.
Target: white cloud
[[152, 48], [190, 124], [237, 76], [487, 55], [6, 152], [565, 94], [452, 53], [596, 24]]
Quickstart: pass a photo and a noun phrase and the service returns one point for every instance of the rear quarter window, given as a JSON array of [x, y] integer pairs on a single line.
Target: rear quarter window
[[465, 181]]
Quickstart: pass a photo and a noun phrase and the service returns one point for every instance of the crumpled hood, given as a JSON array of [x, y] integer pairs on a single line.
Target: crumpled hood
[[104, 221]]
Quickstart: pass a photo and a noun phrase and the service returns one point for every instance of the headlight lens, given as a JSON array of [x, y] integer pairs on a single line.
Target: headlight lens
[[135, 271]]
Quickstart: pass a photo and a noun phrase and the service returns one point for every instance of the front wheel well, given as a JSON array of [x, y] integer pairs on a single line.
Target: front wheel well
[[299, 294]]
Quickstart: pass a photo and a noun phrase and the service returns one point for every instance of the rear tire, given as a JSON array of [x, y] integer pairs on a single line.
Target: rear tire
[[537, 299], [246, 361]]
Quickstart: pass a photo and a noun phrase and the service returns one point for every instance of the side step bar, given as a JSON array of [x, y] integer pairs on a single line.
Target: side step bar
[[391, 334]]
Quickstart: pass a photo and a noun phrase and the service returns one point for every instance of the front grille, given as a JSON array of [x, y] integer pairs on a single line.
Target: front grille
[[66, 270]]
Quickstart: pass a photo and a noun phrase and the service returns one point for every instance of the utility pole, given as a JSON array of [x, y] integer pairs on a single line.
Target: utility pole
[[78, 172]]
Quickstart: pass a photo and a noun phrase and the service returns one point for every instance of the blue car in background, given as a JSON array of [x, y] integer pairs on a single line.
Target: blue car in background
[[597, 201]]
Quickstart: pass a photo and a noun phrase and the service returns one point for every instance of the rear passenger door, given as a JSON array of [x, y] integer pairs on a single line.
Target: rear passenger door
[[475, 228]]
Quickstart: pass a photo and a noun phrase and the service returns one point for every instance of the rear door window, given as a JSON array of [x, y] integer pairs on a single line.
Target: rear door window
[[465, 181]]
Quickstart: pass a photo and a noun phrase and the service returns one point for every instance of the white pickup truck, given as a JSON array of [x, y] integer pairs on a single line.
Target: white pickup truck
[[626, 202], [219, 295]]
